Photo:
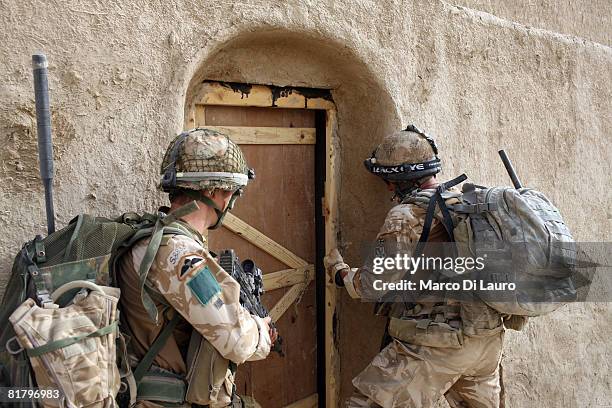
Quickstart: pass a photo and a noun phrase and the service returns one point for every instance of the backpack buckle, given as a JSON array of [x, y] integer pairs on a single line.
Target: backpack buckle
[[39, 249], [485, 207], [43, 297]]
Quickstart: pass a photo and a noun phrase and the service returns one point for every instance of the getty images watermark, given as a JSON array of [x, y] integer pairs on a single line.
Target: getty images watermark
[[392, 271], [410, 265]]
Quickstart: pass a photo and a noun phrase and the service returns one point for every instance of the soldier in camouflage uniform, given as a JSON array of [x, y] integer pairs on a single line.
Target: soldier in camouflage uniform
[[450, 348], [205, 166]]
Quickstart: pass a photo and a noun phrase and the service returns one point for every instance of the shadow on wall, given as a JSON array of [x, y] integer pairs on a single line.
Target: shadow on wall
[[366, 111]]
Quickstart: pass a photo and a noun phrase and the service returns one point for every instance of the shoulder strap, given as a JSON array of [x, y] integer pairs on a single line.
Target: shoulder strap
[[438, 201], [161, 227]]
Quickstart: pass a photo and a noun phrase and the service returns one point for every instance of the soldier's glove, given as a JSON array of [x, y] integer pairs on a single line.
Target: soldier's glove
[[334, 264]]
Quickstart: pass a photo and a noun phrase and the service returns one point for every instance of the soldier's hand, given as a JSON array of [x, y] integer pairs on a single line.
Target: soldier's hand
[[334, 263], [332, 259], [271, 330]]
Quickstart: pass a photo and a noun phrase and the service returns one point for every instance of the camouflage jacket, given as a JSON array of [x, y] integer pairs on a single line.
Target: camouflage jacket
[[403, 225], [192, 283], [402, 229]]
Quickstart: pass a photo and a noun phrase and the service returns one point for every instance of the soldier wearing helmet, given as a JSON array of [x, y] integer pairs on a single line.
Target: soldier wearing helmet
[[433, 347], [201, 332]]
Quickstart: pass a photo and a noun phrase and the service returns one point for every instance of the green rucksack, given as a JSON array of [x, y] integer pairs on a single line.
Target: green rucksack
[[85, 250], [521, 232]]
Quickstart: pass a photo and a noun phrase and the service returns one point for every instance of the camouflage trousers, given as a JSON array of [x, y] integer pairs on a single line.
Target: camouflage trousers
[[244, 402], [409, 376]]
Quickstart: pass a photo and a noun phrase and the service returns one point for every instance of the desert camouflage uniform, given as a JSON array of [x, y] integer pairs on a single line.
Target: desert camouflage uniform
[[414, 373], [189, 280]]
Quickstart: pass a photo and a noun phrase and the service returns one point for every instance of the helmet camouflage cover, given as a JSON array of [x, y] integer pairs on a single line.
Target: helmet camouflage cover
[[203, 159], [405, 155]]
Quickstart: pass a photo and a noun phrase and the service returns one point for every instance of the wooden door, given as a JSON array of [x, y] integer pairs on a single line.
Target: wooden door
[[274, 224]]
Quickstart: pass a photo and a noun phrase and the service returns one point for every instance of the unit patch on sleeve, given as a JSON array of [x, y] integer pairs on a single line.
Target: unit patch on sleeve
[[204, 286], [188, 266], [188, 263]]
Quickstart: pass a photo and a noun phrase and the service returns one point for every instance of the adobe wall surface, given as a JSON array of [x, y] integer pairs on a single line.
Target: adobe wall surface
[[589, 19], [120, 74]]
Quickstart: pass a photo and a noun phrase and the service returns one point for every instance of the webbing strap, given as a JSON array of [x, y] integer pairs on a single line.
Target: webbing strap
[[180, 212], [429, 216], [447, 221], [145, 266], [75, 233], [58, 344], [156, 347], [453, 182], [473, 208], [151, 252]]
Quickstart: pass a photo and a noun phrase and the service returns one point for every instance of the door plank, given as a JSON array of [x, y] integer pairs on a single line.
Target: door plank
[[287, 277], [200, 115], [267, 135], [287, 300], [259, 117], [330, 208], [308, 402], [260, 240], [215, 93]]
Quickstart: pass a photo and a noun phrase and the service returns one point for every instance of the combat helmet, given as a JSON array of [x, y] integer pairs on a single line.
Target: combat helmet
[[201, 160], [404, 158]]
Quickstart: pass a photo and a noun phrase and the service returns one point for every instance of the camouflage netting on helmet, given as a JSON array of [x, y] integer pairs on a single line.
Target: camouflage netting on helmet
[[403, 147], [206, 150]]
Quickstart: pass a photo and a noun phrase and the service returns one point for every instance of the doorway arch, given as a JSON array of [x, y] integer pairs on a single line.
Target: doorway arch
[[361, 111]]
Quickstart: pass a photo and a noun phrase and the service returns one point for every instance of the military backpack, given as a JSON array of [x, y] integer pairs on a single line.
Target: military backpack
[[46, 318], [519, 232]]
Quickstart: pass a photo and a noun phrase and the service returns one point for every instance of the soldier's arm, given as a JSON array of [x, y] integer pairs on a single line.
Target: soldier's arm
[[400, 231], [208, 298]]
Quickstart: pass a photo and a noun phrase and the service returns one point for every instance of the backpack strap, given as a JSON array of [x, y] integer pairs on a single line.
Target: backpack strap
[[75, 234], [471, 204], [438, 201], [160, 228], [158, 344]]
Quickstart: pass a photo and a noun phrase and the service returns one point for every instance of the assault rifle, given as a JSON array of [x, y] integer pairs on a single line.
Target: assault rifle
[[250, 278]]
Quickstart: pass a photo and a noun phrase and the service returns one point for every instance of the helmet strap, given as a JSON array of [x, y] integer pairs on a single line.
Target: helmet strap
[[221, 214], [200, 196]]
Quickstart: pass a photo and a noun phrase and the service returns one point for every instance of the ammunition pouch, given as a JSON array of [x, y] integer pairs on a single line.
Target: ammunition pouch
[[210, 377], [426, 332], [473, 319], [162, 387], [480, 320]]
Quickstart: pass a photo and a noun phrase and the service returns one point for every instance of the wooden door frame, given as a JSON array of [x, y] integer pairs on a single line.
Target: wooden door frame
[[248, 95]]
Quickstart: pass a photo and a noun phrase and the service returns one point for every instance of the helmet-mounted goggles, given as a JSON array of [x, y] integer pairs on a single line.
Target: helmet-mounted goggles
[[406, 171]]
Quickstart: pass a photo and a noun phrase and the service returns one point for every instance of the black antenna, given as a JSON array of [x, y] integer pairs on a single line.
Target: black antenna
[[510, 169], [43, 126]]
